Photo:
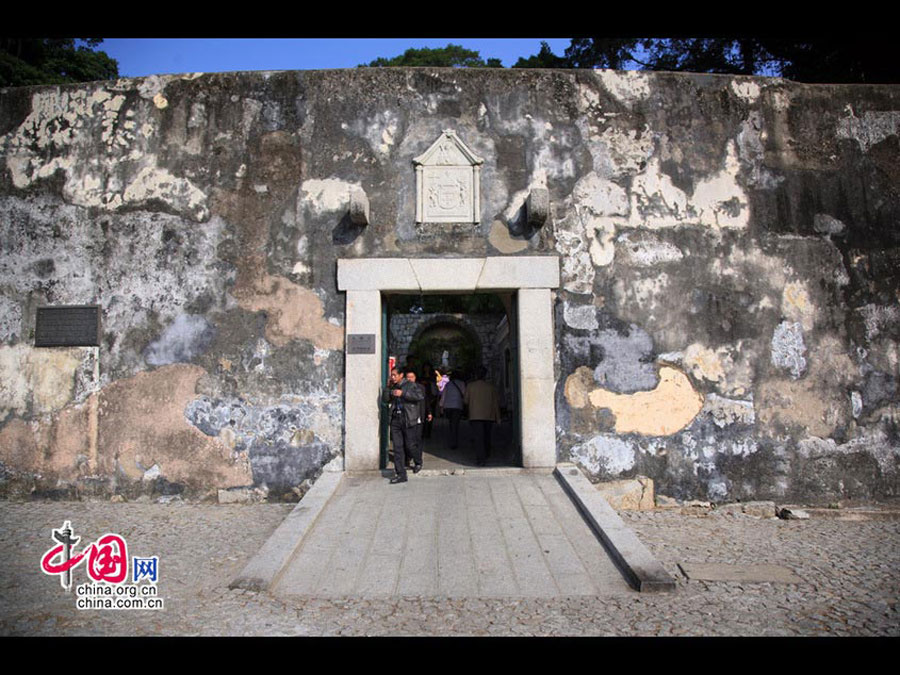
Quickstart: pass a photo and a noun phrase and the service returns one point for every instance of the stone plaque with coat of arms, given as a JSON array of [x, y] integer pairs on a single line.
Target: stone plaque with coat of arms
[[448, 182]]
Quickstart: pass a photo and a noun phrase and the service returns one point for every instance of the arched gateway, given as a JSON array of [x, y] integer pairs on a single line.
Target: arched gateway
[[530, 278]]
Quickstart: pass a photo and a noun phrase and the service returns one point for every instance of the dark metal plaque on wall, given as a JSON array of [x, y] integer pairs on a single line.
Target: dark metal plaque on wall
[[361, 343], [67, 326]]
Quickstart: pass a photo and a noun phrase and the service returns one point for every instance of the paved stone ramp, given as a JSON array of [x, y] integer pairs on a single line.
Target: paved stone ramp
[[476, 535]]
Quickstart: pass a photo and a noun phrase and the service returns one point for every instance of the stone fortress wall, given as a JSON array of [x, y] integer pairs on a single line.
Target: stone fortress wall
[[727, 321]]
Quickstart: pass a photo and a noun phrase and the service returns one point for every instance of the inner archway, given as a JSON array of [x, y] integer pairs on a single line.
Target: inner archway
[[447, 342]]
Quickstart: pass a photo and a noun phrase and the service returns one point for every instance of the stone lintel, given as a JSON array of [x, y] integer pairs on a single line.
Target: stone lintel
[[376, 274], [505, 272], [448, 274]]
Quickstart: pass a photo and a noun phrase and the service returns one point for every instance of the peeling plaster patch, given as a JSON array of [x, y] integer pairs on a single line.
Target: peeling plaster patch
[[717, 490], [604, 455], [142, 424], [51, 374], [869, 129], [827, 224], [628, 86], [751, 141], [726, 411], [588, 98], [581, 317], [63, 132], [817, 403], [788, 348], [627, 364], [327, 195], [380, 132], [875, 443], [621, 152], [646, 293], [670, 358], [704, 363], [250, 109], [152, 473], [796, 305], [746, 90], [10, 320], [599, 196], [148, 87], [655, 200], [719, 199], [743, 448], [660, 412], [755, 265], [856, 403], [501, 240], [44, 379], [132, 270], [578, 386], [14, 385], [601, 248], [287, 441], [178, 193], [184, 340], [716, 202], [643, 249], [879, 317], [293, 312], [592, 200], [577, 269]]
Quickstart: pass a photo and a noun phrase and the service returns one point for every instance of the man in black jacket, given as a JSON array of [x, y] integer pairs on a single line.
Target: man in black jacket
[[403, 397]]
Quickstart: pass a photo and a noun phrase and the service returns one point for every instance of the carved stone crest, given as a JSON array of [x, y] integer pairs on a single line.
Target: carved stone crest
[[448, 182]]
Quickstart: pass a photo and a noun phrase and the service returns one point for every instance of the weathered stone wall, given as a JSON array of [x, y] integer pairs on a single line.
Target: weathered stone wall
[[727, 324]]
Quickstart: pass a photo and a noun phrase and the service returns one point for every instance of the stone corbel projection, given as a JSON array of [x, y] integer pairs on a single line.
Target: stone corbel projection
[[359, 206], [537, 206]]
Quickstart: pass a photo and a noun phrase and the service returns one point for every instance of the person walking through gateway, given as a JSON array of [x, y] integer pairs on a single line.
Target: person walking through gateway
[[452, 401], [484, 409], [403, 398], [424, 419]]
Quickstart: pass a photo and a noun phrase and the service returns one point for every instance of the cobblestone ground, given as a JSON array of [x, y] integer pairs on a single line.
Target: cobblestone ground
[[851, 573]]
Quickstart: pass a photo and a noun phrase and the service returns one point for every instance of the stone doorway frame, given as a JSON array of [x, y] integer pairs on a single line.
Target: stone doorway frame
[[531, 278]]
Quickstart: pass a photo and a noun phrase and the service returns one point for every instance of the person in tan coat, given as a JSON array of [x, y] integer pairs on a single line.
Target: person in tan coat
[[484, 410]]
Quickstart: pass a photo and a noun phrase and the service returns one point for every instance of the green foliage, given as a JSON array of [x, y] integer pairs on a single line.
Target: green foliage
[[839, 58], [601, 52], [32, 61], [543, 59], [451, 56]]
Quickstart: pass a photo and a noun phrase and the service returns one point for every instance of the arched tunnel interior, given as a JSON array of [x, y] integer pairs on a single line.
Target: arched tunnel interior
[[451, 341]]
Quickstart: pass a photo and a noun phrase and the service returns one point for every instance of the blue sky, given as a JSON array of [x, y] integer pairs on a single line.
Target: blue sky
[[152, 56]]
